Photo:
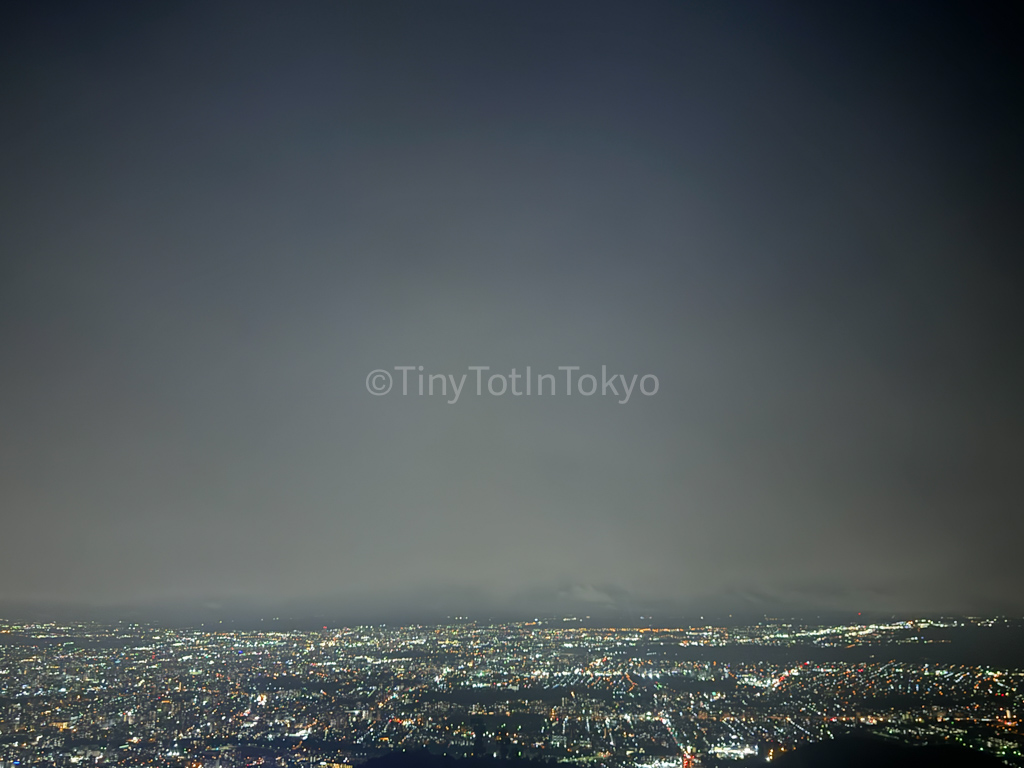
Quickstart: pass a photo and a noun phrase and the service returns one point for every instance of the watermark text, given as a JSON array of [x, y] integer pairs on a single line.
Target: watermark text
[[416, 380]]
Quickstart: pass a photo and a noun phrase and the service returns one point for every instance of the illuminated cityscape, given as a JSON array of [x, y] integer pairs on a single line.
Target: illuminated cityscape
[[549, 689]]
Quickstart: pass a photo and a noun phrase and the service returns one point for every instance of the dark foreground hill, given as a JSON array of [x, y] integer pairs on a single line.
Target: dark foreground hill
[[424, 759], [840, 753], [873, 753]]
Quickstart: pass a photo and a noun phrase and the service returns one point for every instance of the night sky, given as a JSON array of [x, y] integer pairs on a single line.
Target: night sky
[[216, 219]]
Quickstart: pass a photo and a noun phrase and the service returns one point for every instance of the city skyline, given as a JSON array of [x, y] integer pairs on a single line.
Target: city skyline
[[550, 691]]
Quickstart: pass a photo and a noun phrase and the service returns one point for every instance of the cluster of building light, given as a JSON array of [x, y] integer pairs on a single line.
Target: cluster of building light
[[134, 694]]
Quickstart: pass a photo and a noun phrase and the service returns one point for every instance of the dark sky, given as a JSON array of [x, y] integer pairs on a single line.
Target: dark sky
[[806, 222]]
